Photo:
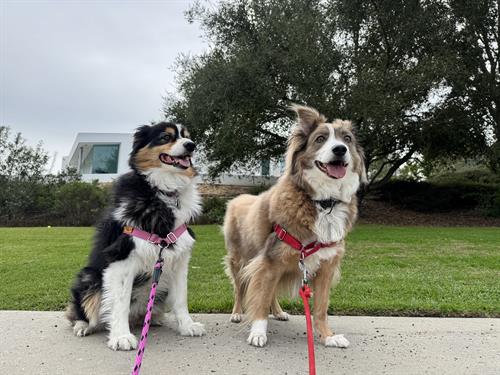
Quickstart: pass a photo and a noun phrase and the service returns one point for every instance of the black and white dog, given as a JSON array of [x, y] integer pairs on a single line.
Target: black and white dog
[[157, 196]]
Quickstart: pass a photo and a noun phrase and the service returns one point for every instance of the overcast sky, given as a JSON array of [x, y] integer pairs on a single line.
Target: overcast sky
[[88, 66]]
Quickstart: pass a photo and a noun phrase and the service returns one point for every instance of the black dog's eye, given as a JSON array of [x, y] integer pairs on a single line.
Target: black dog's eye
[[165, 137], [320, 139], [348, 138]]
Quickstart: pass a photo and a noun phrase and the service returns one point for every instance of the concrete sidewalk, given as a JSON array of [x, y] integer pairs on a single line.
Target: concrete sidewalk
[[43, 343]]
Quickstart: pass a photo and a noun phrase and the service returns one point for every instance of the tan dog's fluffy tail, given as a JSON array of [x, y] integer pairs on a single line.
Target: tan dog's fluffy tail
[[254, 285], [233, 269]]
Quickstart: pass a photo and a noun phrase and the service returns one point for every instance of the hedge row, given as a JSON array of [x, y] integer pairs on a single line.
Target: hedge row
[[445, 196], [74, 203], [78, 203]]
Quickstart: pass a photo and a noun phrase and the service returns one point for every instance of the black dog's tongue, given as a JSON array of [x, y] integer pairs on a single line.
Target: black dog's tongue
[[183, 161], [170, 160], [167, 159]]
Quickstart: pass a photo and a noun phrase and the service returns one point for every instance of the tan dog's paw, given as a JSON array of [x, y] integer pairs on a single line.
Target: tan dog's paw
[[283, 316], [258, 335], [337, 341], [258, 339], [236, 318]]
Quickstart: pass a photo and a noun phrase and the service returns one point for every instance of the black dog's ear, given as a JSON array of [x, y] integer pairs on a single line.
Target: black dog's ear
[[141, 137]]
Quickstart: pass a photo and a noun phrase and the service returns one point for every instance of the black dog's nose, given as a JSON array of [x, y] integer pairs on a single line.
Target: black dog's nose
[[339, 150], [190, 146]]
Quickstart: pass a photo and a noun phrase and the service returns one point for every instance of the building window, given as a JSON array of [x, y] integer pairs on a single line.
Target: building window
[[265, 166], [101, 159]]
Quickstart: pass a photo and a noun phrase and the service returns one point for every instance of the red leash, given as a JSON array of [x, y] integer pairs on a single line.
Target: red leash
[[305, 293]]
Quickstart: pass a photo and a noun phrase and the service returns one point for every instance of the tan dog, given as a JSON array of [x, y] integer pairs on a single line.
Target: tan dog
[[315, 200]]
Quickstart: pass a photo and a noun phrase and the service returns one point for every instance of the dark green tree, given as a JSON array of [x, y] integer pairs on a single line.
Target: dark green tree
[[18, 160], [381, 63], [25, 188], [475, 76], [21, 169]]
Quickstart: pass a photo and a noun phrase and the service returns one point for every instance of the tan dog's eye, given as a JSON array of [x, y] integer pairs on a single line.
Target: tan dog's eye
[[320, 139], [166, 137], [348, 138]]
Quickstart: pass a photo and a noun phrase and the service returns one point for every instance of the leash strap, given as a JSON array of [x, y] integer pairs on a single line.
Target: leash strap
[[306, 250], [147, 319], [305, 293]]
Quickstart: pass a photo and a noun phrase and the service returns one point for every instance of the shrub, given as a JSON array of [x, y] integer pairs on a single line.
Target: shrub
[[214, 209], [494, 209], [80, 203], [445, 196], [51, 202], [467, 176]]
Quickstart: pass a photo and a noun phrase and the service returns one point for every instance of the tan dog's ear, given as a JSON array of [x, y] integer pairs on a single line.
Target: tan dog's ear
[[308, 117]]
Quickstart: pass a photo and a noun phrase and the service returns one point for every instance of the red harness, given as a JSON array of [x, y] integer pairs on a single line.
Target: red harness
[[306, 250]]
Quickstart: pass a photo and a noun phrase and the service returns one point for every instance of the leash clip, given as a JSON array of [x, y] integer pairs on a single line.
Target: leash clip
[[303, 268], [158, 270]]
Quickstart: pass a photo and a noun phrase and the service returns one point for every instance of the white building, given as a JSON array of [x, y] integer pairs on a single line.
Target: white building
[[104, 156], [99, 156]]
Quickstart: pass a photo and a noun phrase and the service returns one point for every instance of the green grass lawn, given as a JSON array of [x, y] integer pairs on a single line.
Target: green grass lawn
[[386, 271]]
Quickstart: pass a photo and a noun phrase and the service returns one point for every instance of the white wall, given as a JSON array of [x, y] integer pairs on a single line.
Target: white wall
[[123, 139], [241, 176]]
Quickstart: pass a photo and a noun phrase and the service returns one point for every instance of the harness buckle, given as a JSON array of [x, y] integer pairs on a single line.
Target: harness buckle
[[281, 234], [172, 237]]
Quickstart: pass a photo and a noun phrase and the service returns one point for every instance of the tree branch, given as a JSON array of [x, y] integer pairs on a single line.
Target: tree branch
[[378, 172], [388, 48], [274, 135], [396, 166], [483, 36]]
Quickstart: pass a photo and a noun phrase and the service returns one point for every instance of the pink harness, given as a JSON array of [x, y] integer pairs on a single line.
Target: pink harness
[[162, 243]]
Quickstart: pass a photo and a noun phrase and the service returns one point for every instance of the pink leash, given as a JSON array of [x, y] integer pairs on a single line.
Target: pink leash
[[162, 243], [147, 319]]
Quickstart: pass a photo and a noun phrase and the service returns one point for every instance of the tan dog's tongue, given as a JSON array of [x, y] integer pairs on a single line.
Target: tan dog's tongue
[[337, 171]]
